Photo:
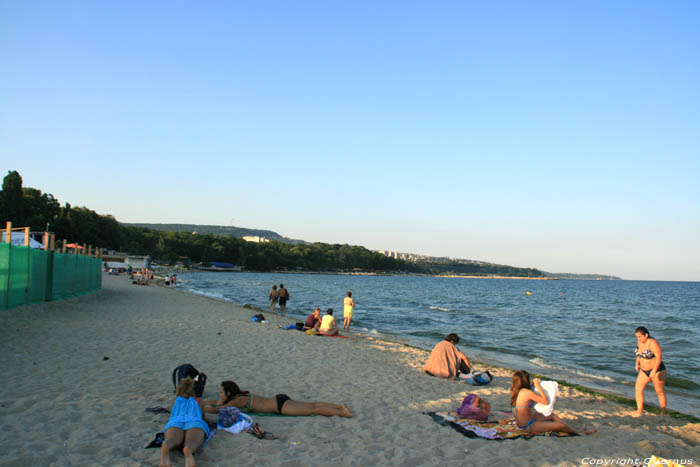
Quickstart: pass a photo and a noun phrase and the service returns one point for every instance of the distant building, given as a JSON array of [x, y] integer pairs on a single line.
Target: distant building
[[255, 239]]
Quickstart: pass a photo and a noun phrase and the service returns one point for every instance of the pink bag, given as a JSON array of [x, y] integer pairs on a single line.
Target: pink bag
[[474, 408]]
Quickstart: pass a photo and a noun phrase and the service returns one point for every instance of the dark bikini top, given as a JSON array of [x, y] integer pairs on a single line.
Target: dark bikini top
[[647, 354]]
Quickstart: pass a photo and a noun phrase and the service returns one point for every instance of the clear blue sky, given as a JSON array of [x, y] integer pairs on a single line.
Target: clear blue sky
[[558, 135]]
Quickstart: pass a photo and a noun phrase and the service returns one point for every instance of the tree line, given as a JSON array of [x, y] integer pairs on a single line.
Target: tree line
[[29, 207]]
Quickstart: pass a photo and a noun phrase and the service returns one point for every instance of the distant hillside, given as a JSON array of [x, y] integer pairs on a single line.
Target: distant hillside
[[594, 277], [237, 232]]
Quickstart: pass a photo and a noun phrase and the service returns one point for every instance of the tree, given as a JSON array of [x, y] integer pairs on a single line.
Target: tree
[[12, 199]]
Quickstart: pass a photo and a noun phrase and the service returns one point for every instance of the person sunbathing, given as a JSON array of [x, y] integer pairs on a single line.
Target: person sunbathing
[[313, 321], [186, 427], [231, 395], [446, 360], [522, 398], [328, 324]]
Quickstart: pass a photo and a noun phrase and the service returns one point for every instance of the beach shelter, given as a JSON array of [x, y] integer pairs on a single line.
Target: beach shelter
[[17, 239]]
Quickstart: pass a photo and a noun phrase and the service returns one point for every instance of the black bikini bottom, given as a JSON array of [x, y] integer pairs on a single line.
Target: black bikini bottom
[[281, 399], [662, 367]]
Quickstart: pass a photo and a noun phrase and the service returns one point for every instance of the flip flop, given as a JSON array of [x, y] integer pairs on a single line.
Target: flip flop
[[257, 431]]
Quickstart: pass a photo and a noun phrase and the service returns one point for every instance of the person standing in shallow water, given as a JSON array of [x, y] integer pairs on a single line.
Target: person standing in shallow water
[[283, 295], [650, 367], [273, 298], [348, 310]]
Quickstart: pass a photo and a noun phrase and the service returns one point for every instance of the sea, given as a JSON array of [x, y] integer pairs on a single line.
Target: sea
[[580, 331]]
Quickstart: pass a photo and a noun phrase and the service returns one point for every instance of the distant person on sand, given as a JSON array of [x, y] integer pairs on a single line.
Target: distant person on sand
[[313, 321], [328, 324], [232, 396], [273, 298], [283, 295], [186, 427], [650, 367], [522, 398], [446, 360], [348, 310]]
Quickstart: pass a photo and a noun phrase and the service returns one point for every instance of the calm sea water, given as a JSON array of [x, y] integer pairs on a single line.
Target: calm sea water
[[579, 331]]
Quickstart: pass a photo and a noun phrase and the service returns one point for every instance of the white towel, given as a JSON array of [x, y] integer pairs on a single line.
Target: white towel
[[550, 389], [243, 423]]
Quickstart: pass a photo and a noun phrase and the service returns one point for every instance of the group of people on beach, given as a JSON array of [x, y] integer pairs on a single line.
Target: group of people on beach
[[188, 426], [325, 325], [280, 296], [447, 361]]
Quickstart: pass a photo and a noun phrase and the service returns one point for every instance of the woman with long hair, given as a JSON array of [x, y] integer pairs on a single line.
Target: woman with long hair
[[231, 395], [186, 427], [649, 367], [522, 398]]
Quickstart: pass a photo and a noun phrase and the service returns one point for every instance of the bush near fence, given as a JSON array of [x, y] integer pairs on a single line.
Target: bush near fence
[[29, 275]]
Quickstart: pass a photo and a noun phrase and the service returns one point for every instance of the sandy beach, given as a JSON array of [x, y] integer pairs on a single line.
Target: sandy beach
[[79, 374]]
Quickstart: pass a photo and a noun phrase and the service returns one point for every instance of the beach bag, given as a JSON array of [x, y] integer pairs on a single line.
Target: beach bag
[[477, 378], [474, 408], [300, 326], [228, 416], [259, 318], [187, 370]]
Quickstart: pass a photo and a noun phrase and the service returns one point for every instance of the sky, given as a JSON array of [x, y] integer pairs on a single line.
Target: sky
[[558, 135]]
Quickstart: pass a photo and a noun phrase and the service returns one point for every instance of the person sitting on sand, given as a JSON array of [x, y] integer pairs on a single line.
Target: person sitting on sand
[[649, 367], [328, 324], [186, 426], [522, 398], [231, 395], [313, 321], [446, 360]]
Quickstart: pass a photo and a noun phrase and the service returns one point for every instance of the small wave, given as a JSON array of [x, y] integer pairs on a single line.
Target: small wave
[[681, 383], [542, 363], [215, 295], [440, 308]]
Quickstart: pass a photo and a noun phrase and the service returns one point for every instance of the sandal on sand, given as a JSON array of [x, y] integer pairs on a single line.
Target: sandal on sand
[[257, 431]]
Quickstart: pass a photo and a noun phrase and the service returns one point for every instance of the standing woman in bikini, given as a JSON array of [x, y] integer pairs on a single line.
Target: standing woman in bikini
[[522, 398], [650, 367], [231, 395]]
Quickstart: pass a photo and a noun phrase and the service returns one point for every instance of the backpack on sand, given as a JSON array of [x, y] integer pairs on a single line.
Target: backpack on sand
[[188, 370]]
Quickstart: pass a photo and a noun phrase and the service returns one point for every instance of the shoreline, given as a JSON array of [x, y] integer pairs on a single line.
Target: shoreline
[[680, 402], [110, 355]]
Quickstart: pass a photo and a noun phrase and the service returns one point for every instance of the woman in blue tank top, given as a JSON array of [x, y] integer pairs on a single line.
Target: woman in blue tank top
[[186, 427]]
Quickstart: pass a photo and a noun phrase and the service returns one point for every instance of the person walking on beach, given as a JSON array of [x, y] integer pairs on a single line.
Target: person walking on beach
[[348, 310], [650, 367], [283, 295], [273, 298]]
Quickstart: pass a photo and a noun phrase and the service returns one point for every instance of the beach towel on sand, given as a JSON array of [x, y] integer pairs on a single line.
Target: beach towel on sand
[[490, 429]]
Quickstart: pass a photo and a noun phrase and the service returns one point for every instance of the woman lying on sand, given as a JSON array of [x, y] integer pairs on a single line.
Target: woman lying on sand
[[522, 398], [231, 395], [186, 426]]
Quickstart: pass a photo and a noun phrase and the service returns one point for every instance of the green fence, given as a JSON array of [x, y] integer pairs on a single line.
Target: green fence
[[28, 275]]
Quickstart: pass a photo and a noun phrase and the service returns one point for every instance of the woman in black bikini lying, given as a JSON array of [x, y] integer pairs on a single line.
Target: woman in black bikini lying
[[231, 395], [650, 368]]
